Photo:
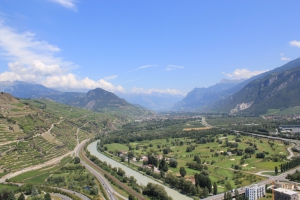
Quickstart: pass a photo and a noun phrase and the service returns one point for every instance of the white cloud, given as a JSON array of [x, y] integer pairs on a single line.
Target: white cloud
[[33, 60], [243, 73], [70, 81], [150, 91], [24, 48], [295, 43], [284, 58], [173, 67], [143, 67], [66, 3], [37, 71], [110, 77]]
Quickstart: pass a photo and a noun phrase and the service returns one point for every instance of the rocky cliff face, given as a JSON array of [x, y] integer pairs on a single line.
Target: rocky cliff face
[[278, 91]]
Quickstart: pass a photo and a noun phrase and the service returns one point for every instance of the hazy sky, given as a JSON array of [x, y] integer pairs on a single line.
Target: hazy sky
[[167, 46]]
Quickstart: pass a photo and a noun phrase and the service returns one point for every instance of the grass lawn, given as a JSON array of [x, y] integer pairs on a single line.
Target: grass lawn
[[40, 179], [10, 187], [116, 147]]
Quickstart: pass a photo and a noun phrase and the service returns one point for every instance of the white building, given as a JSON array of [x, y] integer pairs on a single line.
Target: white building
[[254, 192]]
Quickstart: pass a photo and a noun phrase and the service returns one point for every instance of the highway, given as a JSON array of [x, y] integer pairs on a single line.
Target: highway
[[109, 190]]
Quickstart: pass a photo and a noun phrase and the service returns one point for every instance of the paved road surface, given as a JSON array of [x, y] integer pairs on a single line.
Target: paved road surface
[[109, 190], [75, 193], [63, 197]]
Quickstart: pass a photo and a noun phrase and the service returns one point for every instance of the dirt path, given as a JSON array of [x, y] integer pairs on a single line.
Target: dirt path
[[48, 131], [291, 152], [78, 129], [204, 123]]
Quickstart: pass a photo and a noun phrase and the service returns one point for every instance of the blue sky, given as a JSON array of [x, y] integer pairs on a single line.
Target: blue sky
[[146, 46]]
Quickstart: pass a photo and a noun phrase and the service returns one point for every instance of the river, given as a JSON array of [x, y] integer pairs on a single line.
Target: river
[[141, 179]]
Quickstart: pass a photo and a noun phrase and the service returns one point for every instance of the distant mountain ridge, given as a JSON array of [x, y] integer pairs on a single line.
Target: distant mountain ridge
[[155, 101], [97, 100], [277, 90], [236, 98], [201, 98], [23, 89]]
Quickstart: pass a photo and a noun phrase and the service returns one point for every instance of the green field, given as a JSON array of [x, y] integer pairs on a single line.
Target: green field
[[32, 175], [289, 111], [10, 187], [221, 171]]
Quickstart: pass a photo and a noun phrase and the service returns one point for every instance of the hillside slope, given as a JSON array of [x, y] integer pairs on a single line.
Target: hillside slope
[[35, 131], [97, 100], [100, 100], [215, 98], [275, 91]]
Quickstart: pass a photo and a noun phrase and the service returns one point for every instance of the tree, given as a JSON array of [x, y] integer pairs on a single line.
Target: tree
[[173, 163], [215, 191], [47, 196], [163, 165], [76, 160], [225, 195], [228, 186], [237, 195], [27, 188], [276, 170], [182, 171], [120, 172], [197, 159], [156, 192], [34, 191], [11, 196], [21, 197], [94, 190], [130, 156], [229, 197], [131, 197], [205, 192], [122, 158]]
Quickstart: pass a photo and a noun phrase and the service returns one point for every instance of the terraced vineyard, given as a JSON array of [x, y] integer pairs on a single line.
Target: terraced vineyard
[[35, 131]]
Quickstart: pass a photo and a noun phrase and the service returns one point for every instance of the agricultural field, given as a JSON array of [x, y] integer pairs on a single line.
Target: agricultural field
[[34, 175], [221, 167], [65, 174], [35, 131], [253, 124], [288, 111], [227, 157]]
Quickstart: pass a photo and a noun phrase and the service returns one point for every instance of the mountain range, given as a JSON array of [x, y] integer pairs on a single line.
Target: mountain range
[[274, 89], [97, 100], [201, 98]]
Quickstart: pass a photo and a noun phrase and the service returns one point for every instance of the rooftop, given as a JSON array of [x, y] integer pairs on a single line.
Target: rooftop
[[286, 191]]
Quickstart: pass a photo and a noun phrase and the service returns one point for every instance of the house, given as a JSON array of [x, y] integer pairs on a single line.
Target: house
[[144, 158]]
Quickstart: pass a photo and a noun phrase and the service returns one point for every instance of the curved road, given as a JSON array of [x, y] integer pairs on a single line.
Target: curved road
[[109, 190], [75, 193], [63, 197]]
